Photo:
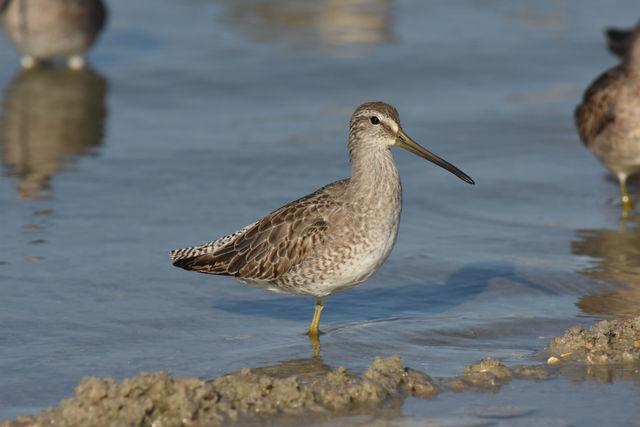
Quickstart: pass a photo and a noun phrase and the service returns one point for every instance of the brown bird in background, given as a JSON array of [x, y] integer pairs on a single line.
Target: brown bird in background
[[42, 30], [608, 119]]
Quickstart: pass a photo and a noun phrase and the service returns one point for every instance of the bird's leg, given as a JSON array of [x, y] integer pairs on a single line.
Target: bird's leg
[[314, 329], [627, 204]]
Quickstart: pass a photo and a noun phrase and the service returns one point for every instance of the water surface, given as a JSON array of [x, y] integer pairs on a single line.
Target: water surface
[[199, 117]]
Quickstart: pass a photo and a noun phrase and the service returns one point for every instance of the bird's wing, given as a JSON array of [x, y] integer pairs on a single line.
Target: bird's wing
[[272, 246], [597, 109]]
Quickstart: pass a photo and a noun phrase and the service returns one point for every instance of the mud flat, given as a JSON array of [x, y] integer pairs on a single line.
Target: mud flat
[[606, 352], [255, 396], [609, 342], [159, 399]]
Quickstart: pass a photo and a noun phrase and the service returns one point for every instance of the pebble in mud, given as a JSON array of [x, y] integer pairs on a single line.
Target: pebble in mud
[[607, 342], [161, 400]]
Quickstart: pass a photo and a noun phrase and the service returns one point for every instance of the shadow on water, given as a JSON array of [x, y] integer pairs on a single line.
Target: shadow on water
[[615, 258], [50, 116], [389, 302], [327, 25]]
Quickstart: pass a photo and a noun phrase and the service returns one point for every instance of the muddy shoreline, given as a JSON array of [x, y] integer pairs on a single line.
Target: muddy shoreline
[[607, 351]]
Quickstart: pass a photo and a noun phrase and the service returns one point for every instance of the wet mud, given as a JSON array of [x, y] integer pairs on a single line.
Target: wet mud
[[315, 392], [606, 352], [608, 342], [159, 399]]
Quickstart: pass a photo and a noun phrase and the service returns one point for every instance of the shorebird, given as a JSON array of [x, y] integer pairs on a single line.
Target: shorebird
[[42, 30], [333, 239], [608, 119]]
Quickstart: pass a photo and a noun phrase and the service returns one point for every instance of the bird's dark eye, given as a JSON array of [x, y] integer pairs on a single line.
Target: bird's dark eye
[[375, 120]]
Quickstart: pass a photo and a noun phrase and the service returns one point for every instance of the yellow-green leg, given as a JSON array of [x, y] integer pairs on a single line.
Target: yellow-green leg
[[314, 329], [627, 204]]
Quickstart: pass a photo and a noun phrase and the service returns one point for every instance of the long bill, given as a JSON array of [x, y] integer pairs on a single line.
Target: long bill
[[409, 144]]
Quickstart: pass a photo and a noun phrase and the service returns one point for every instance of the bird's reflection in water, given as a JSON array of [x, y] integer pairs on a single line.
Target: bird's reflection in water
[[328, 25], [616, 262], [50, 116]]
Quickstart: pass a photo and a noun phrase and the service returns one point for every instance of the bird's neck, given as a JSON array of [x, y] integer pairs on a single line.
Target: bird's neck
[[632, 60], [375, 176]]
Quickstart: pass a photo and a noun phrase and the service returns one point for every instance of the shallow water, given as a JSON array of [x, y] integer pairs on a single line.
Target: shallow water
[[199, 117]]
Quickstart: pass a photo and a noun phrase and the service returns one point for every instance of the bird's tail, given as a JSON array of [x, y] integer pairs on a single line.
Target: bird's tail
[[194, 251]]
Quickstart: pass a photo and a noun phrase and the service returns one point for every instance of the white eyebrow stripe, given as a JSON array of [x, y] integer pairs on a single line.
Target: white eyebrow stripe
[[390, 124]]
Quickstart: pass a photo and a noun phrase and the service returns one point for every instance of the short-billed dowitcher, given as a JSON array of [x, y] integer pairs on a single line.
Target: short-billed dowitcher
[[333, 239], [608, 119], [42, 30]]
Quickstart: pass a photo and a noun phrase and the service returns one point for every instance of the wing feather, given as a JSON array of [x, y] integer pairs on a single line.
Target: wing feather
[[597, 109], [272, 246]]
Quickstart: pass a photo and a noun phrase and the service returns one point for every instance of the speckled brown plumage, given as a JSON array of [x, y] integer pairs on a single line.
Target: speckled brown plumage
[[598, 107], [333, 239], [272, 246]]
